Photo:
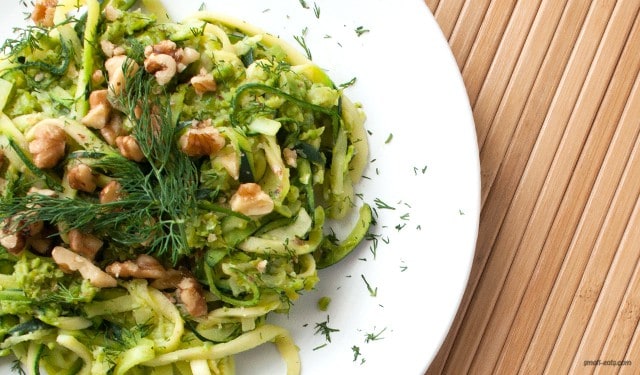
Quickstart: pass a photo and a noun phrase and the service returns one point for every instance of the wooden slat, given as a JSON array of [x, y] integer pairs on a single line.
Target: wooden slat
[[548, 328], [591, 284], [432, 4], [633, 351], [505, 121], [556, 99], [628, 316], [621, 268], [447, 15], [466, 29], [538, 288], [540, 222], [483, 51], [503, 254]]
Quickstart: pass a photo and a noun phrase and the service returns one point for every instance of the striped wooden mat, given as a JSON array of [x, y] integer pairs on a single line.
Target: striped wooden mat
[[555, 92]]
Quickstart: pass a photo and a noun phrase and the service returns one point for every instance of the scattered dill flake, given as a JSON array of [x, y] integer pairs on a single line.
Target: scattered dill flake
[[461, 212], [419, 227], [403, 268], [405, 217], [374, 243], [372, 291], [382, 205], [16, 367], [327, 36], [266, 10], [361, 30], [203, 6], [356, 352], [399, 227], [304, 4], [316, 10], [349, 83], [324, 329], [319, 347], [323, 303], [389, 138], [423, 170], [303, 43], [374, 336]]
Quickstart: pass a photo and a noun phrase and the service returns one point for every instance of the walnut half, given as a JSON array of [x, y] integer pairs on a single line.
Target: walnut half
[[201, 140], [70, 261], [48, 144]]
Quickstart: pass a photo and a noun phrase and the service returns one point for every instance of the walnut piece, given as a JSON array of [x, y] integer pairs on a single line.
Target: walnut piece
[[81, 177], [100, 110], [186, 56], [129, 148], [203, 82], [111, 192], [250, 200], [201, 140], [84, 244], [48, 144], [12, 240], [113, 129], [43, 12], [116, 67], [111, 13], [182, 56], [144, 267], [290, 157], [69, 261], [162, 66], [192, 296]]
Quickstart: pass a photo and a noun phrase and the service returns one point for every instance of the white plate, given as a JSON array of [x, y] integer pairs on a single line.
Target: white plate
[[423, 144]]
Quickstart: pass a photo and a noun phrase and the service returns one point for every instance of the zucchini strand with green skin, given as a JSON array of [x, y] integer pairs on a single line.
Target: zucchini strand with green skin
[[33, 357], [255, 292], [334, 113], [91, 26], [329, 253], [338, 197]]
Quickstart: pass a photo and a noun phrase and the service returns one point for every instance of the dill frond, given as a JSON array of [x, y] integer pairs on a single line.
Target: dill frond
[[158, 196]]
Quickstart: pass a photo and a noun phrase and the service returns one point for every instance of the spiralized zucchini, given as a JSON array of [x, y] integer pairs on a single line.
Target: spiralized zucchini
[[165, 186]]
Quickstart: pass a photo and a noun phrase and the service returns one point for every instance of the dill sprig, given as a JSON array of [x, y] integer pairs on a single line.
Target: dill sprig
[[303, 43], [27, 37], [158, 196], [171, 184]]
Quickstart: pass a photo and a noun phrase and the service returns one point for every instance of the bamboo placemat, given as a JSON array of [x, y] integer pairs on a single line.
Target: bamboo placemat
[[555, 92]]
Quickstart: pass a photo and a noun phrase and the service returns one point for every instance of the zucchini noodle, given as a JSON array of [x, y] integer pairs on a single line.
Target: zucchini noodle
[[164, 187]]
